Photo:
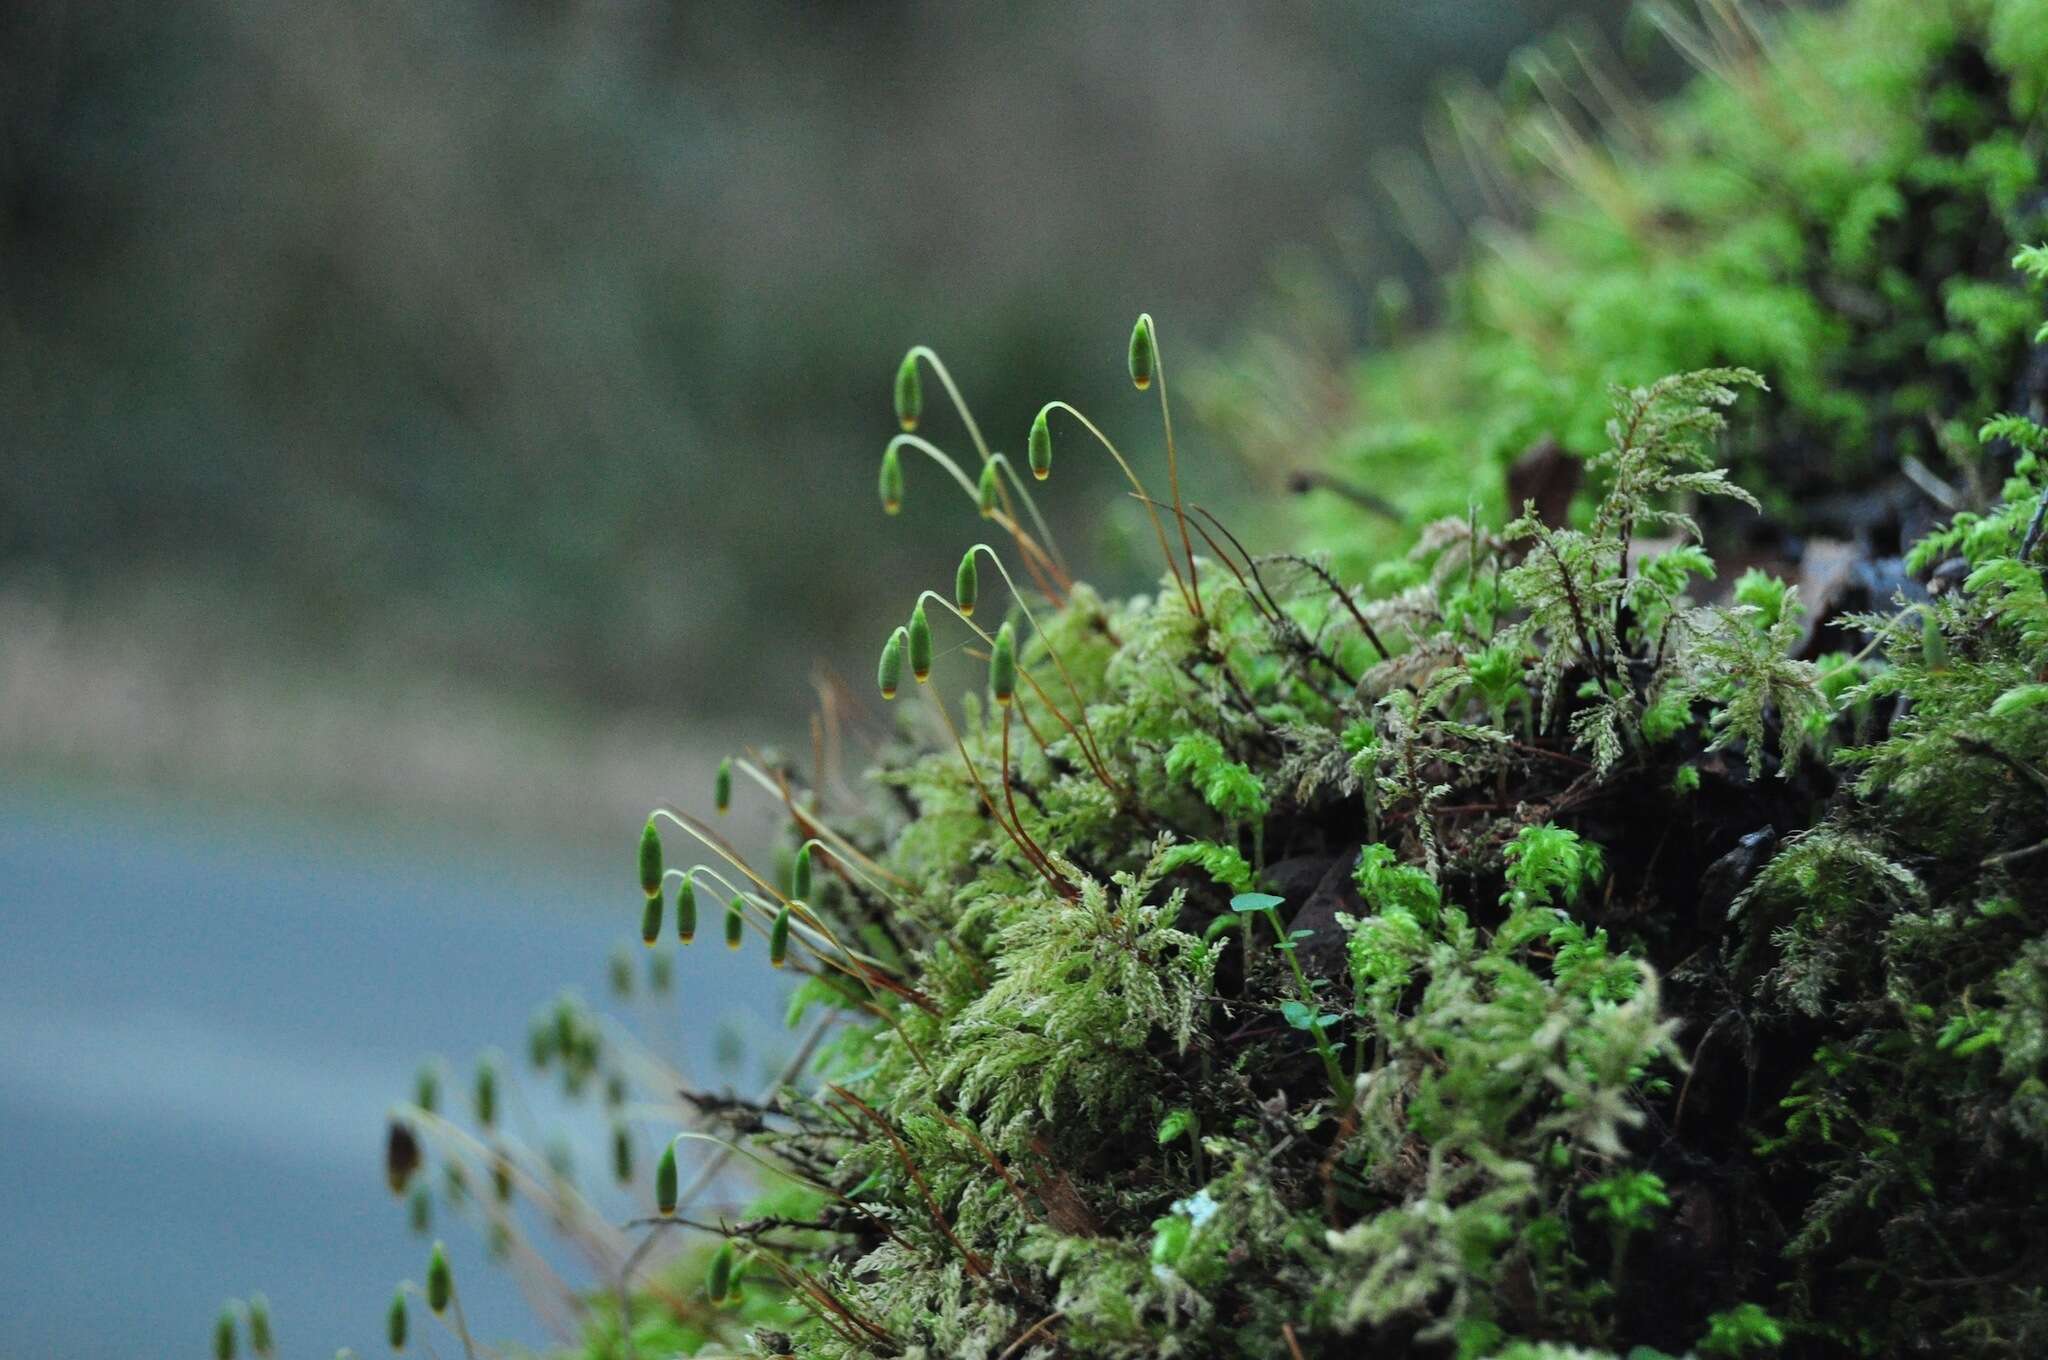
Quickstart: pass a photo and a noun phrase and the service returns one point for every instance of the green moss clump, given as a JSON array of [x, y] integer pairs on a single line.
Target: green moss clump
[[1496, 944]]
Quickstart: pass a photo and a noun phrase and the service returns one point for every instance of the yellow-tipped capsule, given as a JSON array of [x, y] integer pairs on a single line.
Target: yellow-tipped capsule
[[966, 584], [396, 1320], [909, 392], [920, 634], [889, 671], [486, 1093], [1041, 448], [622, 1153], [260, 1343], [440, 1283], [650, 860], [800, 876], [778, 939], [1002, 666], [735, 922], [718, 1279], [665, 1180], [224, 1333], [650, 921], [1142, 353], [686, 909], [721, 790], [987, 492], [892, 481]]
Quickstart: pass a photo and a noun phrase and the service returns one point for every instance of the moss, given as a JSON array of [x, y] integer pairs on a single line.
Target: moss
[[1489, 945]]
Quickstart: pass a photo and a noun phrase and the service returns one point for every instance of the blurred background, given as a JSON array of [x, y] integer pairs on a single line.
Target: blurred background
[[430, 432]]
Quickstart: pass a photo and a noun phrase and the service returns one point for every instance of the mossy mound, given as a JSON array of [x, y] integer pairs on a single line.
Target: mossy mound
[[1515, 945]]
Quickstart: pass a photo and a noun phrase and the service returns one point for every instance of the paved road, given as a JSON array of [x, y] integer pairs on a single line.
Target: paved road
[[202, 1019]]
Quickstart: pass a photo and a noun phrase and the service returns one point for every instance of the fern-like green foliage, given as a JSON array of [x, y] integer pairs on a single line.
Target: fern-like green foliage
[[1400, 950]]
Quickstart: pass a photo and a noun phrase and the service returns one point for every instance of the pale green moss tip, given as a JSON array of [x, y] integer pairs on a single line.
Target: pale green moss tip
[[260, 1342], [686, 909], [909, 392], [801, 874], [440, 1282], [987, 491], [891, 481], [778, 939], [1142, 353], [920, 638], [650, 859], [718, 1277], [1002, 666], [889, 671], [486, 1093], [1041, 447], [665, 1180], [966, 584]]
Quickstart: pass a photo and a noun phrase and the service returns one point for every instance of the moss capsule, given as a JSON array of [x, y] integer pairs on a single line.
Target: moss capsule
[[735, 922], [718, 1279], [486, 1093], [686, 909], [396, 1321], [1002, 666], [419, 1210], [622, 1153], [224, 1333], [801, 878], [261, 1344], [721, 789], [1142, 355], [1041, 448], [892, 481], [966, 584], [889, 670], [909, 392], [987, 491], [665, 1180], [440, 1283], [650, 922], [401, 1156], [426, 1088], [778, 939], [920, 635], [650, 860]]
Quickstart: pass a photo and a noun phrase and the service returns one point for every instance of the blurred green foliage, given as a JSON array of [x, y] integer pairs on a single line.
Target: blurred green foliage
[[506, 337]]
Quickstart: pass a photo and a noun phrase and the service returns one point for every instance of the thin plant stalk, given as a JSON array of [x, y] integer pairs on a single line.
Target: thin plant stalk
[[1043, 566], [1173, 465], [1089, 750], [938, 367], [1158, 526], [981, 787], [1010, 800], [1059, 663]]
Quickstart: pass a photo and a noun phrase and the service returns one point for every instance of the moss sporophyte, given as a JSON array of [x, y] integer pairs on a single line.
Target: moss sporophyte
[[1495, 926]]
